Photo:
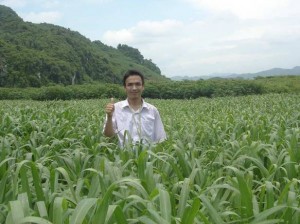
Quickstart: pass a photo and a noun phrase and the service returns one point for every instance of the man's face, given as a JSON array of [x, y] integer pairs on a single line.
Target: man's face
[[134, 86]]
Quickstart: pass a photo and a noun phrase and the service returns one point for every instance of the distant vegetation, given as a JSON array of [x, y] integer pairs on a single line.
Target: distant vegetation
[[267, 73], [161, 90], [35, 55]]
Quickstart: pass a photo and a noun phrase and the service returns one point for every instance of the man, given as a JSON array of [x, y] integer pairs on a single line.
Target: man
[[133, 120]]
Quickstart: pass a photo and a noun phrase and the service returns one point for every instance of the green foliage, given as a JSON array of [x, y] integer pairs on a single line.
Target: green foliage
[[221, 87], [226, 160], [35, 55], [137, 57], [64, 93], [160, 90], [131, 52], [280, 84]]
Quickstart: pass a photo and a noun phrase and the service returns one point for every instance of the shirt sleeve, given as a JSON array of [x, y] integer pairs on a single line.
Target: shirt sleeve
[[160, 134]]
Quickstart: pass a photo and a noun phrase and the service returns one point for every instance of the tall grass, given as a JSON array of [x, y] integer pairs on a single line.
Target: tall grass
[[226, 160]]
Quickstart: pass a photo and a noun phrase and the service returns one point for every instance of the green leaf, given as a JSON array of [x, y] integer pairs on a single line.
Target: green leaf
[[41, 206], [23, 198], [82, 209], [263, 216], [3, 182], [165, 205], [213, 213], [17, 212], [37, 182], [246, 197], [68, 179], [191, 212], [36, 220], [184, 195], [24, 182], [101, 211], [116, 212], [58, 210], [270, 195]]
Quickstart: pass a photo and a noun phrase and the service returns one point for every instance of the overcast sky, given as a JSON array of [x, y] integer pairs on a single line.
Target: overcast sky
[[183, 37]]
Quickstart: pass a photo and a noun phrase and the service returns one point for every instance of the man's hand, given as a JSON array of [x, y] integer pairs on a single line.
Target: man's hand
[[110, 108]]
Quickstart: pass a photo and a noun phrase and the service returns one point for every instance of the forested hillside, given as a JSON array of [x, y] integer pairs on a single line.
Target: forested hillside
[[35, 55]]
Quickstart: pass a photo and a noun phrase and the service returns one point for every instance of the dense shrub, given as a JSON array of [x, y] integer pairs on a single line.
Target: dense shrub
[[160, 90]]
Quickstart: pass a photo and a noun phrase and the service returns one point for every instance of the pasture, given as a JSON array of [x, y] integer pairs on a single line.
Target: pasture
[[226, 160]]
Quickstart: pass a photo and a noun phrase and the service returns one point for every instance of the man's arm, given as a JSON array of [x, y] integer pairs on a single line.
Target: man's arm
[[109, 109], [108, 129]]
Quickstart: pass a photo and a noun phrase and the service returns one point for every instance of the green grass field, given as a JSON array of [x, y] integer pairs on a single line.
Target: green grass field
[[226, 160]]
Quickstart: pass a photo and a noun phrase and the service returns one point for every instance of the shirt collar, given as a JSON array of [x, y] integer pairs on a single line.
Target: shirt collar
[[126, 104]]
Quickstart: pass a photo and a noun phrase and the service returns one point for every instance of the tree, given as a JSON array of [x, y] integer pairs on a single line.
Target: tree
[[131, 52]]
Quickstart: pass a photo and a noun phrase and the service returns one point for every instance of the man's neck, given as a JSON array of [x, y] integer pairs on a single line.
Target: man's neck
[[135, 103]]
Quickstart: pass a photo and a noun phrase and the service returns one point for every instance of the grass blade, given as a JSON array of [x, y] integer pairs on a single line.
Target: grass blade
[[165, 205], [214, 215], [191, 212], [82, 209]]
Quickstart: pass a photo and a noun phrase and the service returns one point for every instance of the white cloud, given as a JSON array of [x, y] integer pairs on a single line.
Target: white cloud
[[155, 28], [48, 17], [246, 33], [24, 3], [51, 4], [13, 3], [210, 45], [96, 1], [254, 9], [120, 36], [143, 33]]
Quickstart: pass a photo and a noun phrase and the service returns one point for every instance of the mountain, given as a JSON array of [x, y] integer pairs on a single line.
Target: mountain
[[266, 73], [272, 72], [210, 76], [45, 54]]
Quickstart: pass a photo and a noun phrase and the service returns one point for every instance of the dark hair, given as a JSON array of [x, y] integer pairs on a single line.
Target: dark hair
[[132, 72]]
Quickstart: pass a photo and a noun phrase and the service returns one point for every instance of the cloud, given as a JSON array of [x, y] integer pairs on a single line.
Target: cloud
[[246, 34], [143, 33], [213, 44], [13, 3], [96, 1], [254, 9], [48, 17], [231, 36], [173, 42], [120, 36], [155, 28], [30, 3], [51, 4]]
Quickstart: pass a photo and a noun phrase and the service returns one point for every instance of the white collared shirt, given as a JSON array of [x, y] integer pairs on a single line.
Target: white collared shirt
[[143, 125]]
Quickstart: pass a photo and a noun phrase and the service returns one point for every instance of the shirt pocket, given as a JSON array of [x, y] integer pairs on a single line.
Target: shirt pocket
[[148, 123], [122, 122]]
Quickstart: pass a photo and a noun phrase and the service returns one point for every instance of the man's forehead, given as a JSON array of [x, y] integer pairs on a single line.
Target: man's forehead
[[134, 79]]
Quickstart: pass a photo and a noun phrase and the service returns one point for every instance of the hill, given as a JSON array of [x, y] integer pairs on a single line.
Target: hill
[[34, 55], [273, 72], [266, 73]]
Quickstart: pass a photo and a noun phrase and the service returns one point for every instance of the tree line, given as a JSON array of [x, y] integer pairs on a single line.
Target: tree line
[[160, 90]]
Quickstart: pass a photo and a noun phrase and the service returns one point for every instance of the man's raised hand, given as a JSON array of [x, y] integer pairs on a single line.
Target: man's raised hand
[[110, 108]]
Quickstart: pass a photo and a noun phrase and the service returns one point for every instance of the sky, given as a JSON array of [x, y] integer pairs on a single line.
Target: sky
[[183, 37]]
